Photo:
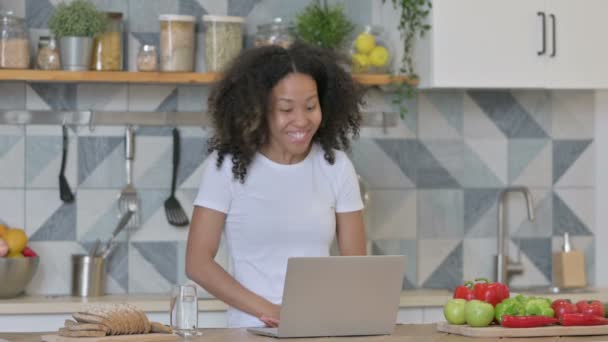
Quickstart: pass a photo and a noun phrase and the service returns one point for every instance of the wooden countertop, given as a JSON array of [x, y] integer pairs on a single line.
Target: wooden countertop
[[159, 303], [403, 333]]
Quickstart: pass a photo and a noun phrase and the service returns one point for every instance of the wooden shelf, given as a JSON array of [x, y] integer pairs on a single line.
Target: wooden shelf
[[152, 77]]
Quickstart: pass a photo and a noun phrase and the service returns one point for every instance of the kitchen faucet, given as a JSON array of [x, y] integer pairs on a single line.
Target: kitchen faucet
[[505, 267]]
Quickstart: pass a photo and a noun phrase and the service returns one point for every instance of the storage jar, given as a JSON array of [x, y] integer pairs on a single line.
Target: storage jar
[[14, 42], [48, 54], [275, 33], [223, 40], [108, 47], [177, 43], [370, 52]]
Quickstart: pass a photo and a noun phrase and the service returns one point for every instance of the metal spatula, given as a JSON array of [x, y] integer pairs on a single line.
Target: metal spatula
[[175, 213], [65, 193]]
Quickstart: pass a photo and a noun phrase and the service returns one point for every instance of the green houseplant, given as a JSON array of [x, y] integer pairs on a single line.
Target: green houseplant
[[323, 25], [76, 24], [412, 22]]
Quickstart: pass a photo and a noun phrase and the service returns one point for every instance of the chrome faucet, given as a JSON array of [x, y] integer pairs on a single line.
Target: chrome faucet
[[505, 267]]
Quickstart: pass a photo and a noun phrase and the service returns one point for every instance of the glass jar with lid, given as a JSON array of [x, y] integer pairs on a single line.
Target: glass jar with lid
[[107, 47], [48, 55], [14, 42], [275, 33], [370, 51], [177, 42], [223, 40]]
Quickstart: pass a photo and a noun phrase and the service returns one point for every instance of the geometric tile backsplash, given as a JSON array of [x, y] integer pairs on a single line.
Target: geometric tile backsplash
[[434, 180]]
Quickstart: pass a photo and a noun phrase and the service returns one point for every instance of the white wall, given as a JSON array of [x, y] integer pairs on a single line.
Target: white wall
[[601, 184]]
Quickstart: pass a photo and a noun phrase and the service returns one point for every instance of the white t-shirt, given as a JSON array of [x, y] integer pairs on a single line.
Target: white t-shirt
[[279, 212]]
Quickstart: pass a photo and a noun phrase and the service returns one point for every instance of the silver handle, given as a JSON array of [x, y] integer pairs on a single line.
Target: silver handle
[[129, 143]]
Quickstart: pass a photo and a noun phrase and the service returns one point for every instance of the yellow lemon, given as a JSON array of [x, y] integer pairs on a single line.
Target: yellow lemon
[[378, 57], [3, 229], [360, 63], [365, 42], [16, 240], [15, 255]]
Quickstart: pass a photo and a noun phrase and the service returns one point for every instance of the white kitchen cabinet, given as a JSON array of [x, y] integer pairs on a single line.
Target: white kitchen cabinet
[[514, 44]]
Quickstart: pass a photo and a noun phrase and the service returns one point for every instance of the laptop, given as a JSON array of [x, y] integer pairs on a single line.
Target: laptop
[[339, 296]]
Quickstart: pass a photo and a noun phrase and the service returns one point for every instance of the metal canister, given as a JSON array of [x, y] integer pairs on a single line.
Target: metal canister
[[88, 275]]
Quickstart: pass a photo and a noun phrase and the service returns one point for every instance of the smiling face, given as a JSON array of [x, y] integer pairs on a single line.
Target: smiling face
[[295, 116]]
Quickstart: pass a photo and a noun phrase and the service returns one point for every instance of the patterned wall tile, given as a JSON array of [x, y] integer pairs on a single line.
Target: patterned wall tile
[[485, 163], [392, 214], [535, 256], [12, 158], [538, 251], [447, 273], [98, 214], [573, 114], [16, 6], [48, 218], [440, 214], [537, 103], [55, 96], [449, 154], [377, 168], [144, 14], [107, 97], [38, 13], [573, 211], [152, 267], [478, 258], [54, 273], [530, 162], [192, 98], [12, 95], [508, 114], [480, 212], [98, 158], [477, 124], [573, 163], [408, 248], [12, 210], [441, 115]]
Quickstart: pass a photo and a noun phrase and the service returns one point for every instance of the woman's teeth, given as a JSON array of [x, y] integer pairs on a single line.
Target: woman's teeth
[[297, 136]]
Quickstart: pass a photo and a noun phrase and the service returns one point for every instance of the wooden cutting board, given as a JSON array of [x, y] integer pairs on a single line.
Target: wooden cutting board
[[118, 338], [498, 331]]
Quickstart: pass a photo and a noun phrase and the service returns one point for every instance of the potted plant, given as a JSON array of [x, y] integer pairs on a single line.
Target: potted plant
[[412, 22], [75, 24], [323, 25]]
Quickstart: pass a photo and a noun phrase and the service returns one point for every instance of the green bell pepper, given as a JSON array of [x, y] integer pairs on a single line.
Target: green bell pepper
[[510, 307]]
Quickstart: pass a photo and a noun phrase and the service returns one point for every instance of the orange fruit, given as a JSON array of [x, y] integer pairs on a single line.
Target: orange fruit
[[16, 240], [3, 229]]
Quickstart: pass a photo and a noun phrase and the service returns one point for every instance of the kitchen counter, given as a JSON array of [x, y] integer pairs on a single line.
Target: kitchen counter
[[159, 303], [403, 333]]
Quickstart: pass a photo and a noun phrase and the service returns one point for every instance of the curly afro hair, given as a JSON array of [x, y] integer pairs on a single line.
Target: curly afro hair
[[239, 104]]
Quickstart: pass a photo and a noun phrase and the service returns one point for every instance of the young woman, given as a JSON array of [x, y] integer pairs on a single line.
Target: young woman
[[277, 182]]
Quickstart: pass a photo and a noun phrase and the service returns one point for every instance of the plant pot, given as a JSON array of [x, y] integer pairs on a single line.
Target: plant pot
[[76, 53]]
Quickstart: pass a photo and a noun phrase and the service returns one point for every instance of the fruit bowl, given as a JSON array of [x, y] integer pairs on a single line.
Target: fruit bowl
[[370, 53], [15, 275]]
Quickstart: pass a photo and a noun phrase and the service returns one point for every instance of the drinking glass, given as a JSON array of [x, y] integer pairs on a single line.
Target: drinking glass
[[184, 310]]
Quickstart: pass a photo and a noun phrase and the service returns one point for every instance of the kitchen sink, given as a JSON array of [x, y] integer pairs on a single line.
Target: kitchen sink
[[551, 290]]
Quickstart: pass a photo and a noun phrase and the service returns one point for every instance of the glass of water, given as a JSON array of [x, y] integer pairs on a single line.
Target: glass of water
[[184, 310]]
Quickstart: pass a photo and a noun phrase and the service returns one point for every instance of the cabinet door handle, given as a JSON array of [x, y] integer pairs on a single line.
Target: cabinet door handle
[[542, 16], [553, 25]]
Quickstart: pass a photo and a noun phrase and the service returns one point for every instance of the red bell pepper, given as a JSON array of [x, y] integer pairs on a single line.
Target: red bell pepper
[[492, 293], [28, 252], [570, 319], [563, 306], [593, 307], [509, 321], [464, 291]]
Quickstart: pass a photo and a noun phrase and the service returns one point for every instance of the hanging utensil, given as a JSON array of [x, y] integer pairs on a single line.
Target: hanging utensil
[[109, 247], [65, 193], [173, 209], [128, 200]]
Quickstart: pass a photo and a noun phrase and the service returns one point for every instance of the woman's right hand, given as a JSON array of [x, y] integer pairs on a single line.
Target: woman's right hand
[[272, 316]]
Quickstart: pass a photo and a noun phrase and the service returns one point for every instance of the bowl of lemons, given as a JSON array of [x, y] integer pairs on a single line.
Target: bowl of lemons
[[369, 52], [18, 262]]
